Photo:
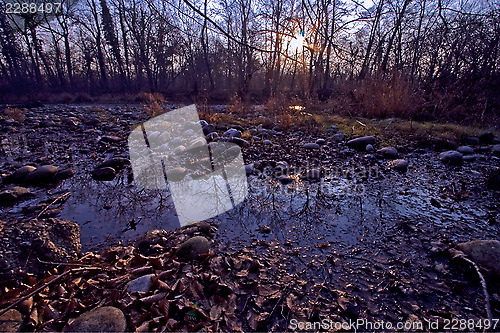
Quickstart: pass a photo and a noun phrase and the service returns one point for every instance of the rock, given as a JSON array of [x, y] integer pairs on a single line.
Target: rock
[[13, 194], [193, 247], [109, 139], [361, 143], [485, 253], [176, 174], [470, 158], [313, 174], [267, 142], [21, 173], [442, 144], [102, 319], [141, 284], [25, 244], [209, 129], [232, 132], [11, 321], [311, 146], [203, 123], [284, 179], [42, 174], [451, 157], [399, 165], [388, 152], [486, 137], [493, 180], [105, 174], [471, 141], [321, 142], [211, 136], [369, 148], [64, 174], [465, 150], [240, 142], [249, 169], [496, 150], [116, 163], [339, 137]]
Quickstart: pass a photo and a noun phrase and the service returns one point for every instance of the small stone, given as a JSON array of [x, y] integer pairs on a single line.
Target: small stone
[[11, 321], [239, 141], [211, 136], [472, 141], [388, 152], [193, 247], [465, 150], [249, 169], [321, 141], [496, 150], [64, 174], [116, 163], [176, 174], [209, 129], [451, 157], [141, 284], [42, 174], [267, 142], [103, 319], [22, 172], [106, 174], [231, 133], [486, 137], [339, 137], [109, 139], [399, 165], [361, 143], [203, 123], [311, 146], [369, 148]]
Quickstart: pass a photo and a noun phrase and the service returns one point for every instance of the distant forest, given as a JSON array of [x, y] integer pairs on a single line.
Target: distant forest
[[426, 54]]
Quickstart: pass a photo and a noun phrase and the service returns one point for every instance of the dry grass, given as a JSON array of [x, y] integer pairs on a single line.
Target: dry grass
[[15, 113]]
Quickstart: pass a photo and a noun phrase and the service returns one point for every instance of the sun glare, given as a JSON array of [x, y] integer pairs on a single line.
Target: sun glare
[[297, 42]]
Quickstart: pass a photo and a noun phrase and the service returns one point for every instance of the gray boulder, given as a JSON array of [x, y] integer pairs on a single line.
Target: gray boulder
[[485, 253]]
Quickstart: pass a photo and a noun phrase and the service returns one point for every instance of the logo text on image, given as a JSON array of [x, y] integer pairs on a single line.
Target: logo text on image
[[170, 152]]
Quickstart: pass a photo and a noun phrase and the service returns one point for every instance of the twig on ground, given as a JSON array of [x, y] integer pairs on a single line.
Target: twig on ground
[[53, 202]]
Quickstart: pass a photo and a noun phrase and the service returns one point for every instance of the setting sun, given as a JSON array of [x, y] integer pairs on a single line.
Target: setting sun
[[297, 42]]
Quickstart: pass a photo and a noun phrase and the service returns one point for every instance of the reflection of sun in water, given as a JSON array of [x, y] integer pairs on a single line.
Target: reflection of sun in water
[[297, 42]]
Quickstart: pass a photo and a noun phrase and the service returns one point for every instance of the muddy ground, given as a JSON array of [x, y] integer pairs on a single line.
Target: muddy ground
[[363, 241]]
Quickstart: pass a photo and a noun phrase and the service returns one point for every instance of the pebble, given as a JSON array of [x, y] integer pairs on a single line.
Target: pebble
[[209, 129], [141, 284], [465, 150], [486, 137], [106, 174], [496, 150], [102, 319], [284, 179], [399, 165], [22, 172], [249, 169], [321, 141], [232, 132], [369, 148], [109, 139], [361, 143], [388, 152], [339, 137], [42, 174], [267, 142], [193, 247], [311, 145], [451, 157]]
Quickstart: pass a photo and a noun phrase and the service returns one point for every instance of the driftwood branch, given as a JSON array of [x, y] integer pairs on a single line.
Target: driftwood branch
[[62, 197]]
